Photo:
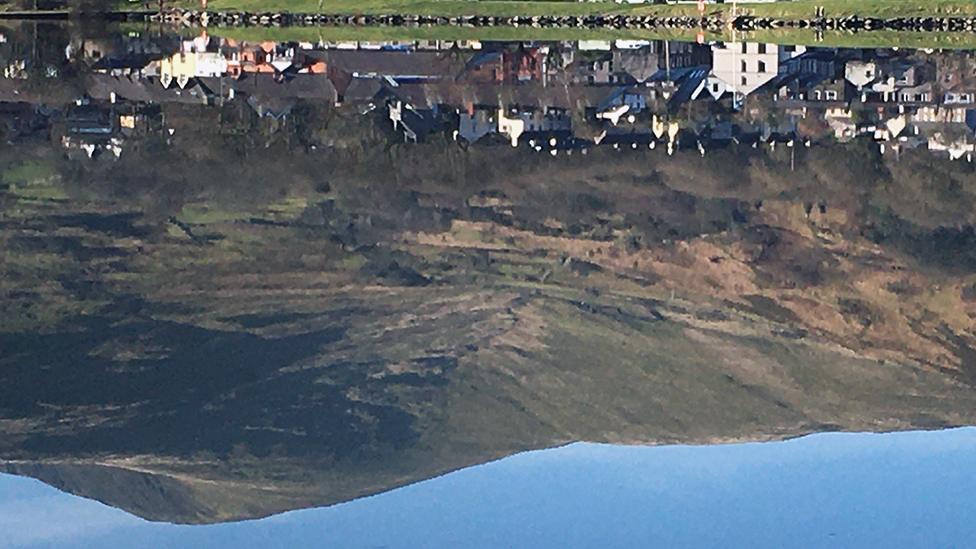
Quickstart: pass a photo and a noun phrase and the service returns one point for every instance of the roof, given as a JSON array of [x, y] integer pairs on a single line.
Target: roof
[[689, 81], [298, 86], [483, 58], [362, 89], [127, 61], [272, 107], [404, 64], [640, 64], [443, 92], [420, 123], [146, 90]]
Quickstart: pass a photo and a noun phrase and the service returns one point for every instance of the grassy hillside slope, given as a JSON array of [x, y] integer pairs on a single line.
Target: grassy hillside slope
[[235, 324]]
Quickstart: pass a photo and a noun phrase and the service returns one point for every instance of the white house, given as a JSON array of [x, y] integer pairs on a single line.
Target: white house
[[744, 67], [594, 45], [532, 121], [860, 73]]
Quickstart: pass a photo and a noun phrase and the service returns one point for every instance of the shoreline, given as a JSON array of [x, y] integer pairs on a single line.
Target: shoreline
[[621, 21]]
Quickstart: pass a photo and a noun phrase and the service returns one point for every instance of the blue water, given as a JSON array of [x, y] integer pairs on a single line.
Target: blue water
[[831, 490]]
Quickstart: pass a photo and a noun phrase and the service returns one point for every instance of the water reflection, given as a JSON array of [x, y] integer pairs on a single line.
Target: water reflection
[[820, 491], [241, 278]]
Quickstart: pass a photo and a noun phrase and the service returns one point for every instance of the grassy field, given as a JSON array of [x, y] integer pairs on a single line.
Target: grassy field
[[934, 40], [874, 39], [376, 34], [789, 10]]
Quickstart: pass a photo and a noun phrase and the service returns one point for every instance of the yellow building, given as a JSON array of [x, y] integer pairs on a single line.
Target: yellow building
[[181, 67]]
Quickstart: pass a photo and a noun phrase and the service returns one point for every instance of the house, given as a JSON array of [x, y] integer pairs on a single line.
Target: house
[[691, 83], [506, 66], [634, 65], [91, 129], [486, 67], [960, 97], [890, 81], [89, 120], [445, 45], [594, 71], [678, 55], [524, 64], [828, 91], [473, 124], [196, 58], [415, 124], [860, 73], [744, 67], [922, 93], [817, 62], [954, 148], [632, 44], [138, 65], [594, 45], [522, 125], [904, 74], [622, 102], [184, 66], [807, 73], [841, 122], [939, 115], [955, 76], [150, 90]]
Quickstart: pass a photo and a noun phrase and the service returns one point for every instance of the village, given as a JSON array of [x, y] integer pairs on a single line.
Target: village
[[556, 98]]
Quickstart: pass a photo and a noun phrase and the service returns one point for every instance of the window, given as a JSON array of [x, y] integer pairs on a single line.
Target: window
[[762, 48], [745, 81], [744, 69], [745, 48], [762, 66], [831, 95]]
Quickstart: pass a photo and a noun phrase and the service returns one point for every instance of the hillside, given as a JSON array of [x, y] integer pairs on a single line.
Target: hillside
[[235, 325]]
